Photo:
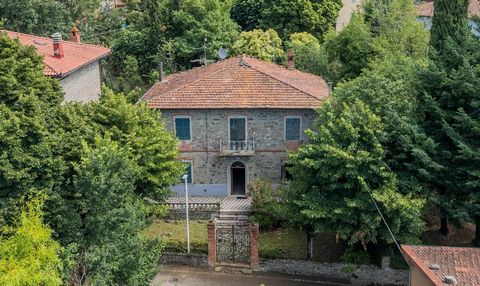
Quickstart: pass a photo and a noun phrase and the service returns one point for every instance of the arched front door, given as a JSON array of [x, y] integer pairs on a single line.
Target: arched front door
[[238, 179]]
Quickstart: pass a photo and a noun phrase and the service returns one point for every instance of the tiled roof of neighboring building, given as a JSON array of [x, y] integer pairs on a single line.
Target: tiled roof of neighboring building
[[239, 82], [436, 262], [76, 56], [426, 9]]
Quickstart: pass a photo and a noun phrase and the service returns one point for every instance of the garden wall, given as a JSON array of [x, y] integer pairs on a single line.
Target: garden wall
[[359, 275]]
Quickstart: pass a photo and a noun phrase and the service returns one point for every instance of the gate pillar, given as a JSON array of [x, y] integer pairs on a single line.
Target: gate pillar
[[254, 239], [212, 245]]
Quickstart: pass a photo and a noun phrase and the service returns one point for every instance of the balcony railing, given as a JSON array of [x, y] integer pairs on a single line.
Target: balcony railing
[[237, 148]]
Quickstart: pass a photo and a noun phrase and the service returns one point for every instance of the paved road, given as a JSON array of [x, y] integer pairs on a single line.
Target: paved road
[[189, 276]]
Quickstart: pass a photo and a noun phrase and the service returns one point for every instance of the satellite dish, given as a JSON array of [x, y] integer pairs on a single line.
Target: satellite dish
[[222, 53]]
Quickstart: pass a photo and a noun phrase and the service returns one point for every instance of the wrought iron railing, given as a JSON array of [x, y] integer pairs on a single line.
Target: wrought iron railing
[[238, 145]]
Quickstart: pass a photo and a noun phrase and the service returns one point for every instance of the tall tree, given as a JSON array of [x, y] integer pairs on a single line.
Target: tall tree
[[247, 13], [154, 151], [309, 55], [444, 92], [351, 50], [27, 99], [342, 169], [288, 17], [35, 16], [389, 86], [112, 218], [264, 45]]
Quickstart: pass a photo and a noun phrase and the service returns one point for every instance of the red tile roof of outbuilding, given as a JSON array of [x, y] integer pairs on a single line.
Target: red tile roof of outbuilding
[[426, 9], [463, 263], [239, 82], [76, 56]]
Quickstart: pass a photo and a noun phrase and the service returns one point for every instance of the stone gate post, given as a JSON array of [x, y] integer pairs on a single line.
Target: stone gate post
[[212, 245], [254, 245]]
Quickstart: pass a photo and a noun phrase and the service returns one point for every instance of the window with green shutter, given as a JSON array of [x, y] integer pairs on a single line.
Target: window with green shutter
[[182, 128], [292, 128]]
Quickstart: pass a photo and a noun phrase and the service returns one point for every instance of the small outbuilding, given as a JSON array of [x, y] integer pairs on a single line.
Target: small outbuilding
[[442, 266]]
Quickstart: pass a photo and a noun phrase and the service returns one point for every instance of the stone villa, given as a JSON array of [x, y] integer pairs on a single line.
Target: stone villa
[[76, 65], [236, 120]]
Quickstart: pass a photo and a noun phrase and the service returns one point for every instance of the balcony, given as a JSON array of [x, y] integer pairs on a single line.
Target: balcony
[[237, 148]]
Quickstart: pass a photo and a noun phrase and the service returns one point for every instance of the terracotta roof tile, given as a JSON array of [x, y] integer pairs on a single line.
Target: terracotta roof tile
[[239, 82], [76, 54], [426, 9], [463, 263]]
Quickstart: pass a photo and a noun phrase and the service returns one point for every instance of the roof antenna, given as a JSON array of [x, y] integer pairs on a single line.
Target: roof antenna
[[203, 60]]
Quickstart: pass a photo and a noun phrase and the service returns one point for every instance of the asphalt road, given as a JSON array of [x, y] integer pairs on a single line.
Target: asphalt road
[[183, 276]]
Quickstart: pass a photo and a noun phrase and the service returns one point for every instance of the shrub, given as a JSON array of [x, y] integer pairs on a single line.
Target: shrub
[[268, 210], [356, 256]]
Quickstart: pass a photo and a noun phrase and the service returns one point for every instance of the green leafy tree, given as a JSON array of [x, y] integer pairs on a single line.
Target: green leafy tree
[[200, 28], [79, 9], [28, 254], [310, 56], [264, 45], [350, 51], [288, 17], [113, 250], [339, 173], [154, 150], [27, 99], [389, 86], [35, 17], [395, 27], [247, 13]]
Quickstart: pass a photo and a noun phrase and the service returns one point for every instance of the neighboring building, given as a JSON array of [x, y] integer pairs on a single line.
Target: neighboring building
[[425, 14], [75, 64], [345, 13], [442, 266], [236, 119]]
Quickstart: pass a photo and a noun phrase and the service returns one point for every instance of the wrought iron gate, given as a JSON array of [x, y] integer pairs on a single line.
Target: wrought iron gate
[[233, 244]]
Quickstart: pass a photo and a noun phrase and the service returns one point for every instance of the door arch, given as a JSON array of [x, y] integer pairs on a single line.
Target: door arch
[[237, 179]]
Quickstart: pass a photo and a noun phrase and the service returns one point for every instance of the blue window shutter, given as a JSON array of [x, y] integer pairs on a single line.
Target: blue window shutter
[[292, 129], [182, 128]]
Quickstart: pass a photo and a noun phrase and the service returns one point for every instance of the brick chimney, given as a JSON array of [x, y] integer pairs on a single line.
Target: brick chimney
[[75, 35], [291, 60], [58, 50]]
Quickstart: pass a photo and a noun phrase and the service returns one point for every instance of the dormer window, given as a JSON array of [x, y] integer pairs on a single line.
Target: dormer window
[[183, 128]]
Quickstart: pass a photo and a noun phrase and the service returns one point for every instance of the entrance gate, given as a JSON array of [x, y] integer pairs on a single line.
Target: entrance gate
[[232, 244]]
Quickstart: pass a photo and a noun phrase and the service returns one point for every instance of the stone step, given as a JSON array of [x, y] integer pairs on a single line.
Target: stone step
[[233, 218]]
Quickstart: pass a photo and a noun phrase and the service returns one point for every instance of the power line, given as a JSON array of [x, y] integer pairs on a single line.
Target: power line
[[385, 222]]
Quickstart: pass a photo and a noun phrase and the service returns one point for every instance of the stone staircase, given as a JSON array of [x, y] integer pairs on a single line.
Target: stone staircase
[[235, 210]]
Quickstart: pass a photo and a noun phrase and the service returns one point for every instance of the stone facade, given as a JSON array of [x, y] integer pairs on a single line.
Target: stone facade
[[209, 131], [83, 85]]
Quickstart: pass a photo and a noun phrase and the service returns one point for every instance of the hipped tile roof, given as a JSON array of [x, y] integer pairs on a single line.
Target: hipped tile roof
[[426, 9], [463, 263], [239, 82], [76, 56]]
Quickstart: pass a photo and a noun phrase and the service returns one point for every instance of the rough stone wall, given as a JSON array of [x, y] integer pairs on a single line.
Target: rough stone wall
[[83, 85], [209, 127], [197, 260], [359, 275]]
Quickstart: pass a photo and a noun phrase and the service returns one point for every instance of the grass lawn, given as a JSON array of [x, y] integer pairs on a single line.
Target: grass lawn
[[282, 243]]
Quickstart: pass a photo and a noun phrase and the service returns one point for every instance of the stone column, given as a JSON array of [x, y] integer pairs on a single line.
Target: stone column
[[254, 245], [212, 245]]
